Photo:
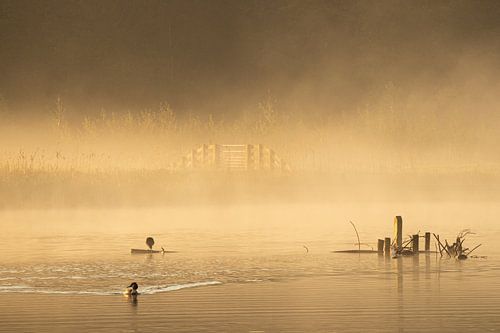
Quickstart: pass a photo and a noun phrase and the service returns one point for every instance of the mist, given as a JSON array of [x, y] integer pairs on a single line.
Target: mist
[[357, 97], [249, 166]]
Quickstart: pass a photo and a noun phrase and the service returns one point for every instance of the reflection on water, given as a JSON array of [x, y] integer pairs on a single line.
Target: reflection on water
[[132, 299], [235, 255]]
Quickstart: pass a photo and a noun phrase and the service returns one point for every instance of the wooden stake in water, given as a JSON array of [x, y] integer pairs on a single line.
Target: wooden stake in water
[[427, 242], [380, 246], [398, 232], [387, 246], [415, 245]]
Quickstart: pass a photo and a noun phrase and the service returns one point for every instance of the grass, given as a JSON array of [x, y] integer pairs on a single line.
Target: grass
[[124, 158]]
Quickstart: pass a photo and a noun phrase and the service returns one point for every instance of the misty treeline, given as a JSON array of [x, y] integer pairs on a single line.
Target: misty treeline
[[384, 137]]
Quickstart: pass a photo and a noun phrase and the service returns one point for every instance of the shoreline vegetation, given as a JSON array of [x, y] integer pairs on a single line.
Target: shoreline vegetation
[[125, 158]]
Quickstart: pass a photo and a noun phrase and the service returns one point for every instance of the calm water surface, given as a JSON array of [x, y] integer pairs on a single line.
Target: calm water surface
[[224, 250]]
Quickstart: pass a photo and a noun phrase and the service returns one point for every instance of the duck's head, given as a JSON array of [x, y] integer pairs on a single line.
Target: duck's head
[[134, 286]]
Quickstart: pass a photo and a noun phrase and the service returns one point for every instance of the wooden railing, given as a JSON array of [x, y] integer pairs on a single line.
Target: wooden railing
[[231, 157]]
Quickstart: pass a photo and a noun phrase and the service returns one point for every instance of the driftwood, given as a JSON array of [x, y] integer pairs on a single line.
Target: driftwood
[[143, 251], [355, 251], [456, 249], [405, 250]]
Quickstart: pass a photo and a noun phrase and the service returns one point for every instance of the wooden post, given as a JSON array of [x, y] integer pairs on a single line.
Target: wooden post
[[380, 246], [415, 244], [387, 246], [398, 232], [427, 242]]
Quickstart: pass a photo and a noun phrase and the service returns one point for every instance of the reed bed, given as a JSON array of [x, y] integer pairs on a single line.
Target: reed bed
[[112, 154]]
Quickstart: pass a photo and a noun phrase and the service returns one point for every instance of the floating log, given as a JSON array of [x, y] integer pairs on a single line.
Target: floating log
[[144, 251], [355, 251]]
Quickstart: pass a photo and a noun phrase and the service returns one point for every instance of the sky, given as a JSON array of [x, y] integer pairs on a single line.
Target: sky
[[224, 57]]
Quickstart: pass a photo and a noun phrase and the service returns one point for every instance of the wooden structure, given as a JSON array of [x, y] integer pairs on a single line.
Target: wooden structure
[[232, 157], [398, 246], [407, 247]]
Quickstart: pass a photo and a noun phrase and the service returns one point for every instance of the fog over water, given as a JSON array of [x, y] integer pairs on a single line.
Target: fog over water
[[244, 136]]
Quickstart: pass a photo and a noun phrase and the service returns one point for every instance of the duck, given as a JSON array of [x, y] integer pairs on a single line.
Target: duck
[[132, 290]]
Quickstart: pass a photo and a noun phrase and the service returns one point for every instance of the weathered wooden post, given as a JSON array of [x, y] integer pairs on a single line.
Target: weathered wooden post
[[380, 246], [387, 246], [398, 232], [427, 242], [415, 239]]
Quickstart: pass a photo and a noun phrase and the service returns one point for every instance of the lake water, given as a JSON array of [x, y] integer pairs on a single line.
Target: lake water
[[280, 252]]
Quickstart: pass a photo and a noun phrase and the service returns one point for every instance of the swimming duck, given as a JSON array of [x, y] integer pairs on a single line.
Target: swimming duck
[[132, 289]]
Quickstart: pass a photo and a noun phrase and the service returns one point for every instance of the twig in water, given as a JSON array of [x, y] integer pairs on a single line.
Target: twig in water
[[359, 242], [441, 246], [405, 245], [464, 233], [474, 249]]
